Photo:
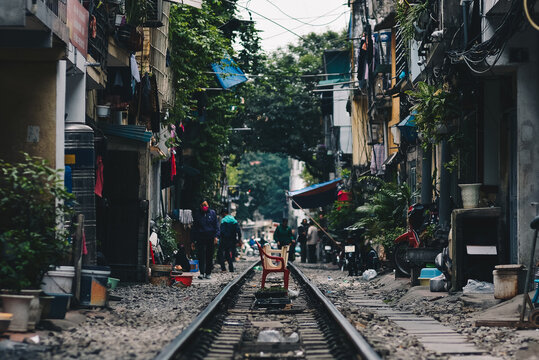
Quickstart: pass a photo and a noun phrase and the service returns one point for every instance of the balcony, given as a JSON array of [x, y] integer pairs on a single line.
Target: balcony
[[98, 43], [31, 23]]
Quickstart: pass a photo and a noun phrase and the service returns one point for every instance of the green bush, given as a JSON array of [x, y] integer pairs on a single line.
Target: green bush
[[35, 206], [383, 215], [167, 236]]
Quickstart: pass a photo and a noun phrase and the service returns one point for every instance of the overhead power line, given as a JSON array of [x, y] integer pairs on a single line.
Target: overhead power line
[[297, 27], [265, 17], [298, 19]]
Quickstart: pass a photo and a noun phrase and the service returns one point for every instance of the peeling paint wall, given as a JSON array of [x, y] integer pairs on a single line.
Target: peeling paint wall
[[28, 109], [527, 142]]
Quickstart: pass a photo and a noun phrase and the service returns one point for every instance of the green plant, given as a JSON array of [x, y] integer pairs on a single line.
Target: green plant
[[435, 108], [136, 11], [407, 15], [341, 215], [34, 206], [167, 236], [383, 215]]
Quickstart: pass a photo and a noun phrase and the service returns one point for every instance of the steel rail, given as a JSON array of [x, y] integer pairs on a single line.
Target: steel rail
[[171, 349], [361, 345]]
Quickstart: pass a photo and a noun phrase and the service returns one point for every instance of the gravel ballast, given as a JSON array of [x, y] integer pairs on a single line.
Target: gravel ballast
[[391, 341], [148, 317], [138, 326]]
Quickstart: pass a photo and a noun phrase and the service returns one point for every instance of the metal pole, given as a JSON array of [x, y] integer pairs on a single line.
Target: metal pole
[[528, 278], [426, 176], [444, 187]]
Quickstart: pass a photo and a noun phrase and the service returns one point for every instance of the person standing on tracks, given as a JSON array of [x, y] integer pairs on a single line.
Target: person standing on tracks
[[230, 237], [283, 236], [302, 239], [312, 241], [206, 233]]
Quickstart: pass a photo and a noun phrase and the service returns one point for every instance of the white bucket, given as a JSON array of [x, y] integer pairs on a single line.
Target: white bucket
[[58, 281]]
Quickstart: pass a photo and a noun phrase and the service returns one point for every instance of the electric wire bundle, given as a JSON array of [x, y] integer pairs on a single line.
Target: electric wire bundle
[[477, 55]]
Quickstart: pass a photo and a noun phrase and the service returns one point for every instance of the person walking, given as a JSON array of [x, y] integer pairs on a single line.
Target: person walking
[[302, 239], [230, 237], [283, 236], [205, 233], [312, 241]]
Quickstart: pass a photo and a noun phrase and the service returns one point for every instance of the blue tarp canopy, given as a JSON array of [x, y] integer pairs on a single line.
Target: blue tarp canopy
[[408, 129], [315, 195], [228, 73]]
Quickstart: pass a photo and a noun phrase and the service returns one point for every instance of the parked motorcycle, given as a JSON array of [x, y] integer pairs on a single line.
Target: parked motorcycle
[[419, 217], [328, 250], [356, 255]]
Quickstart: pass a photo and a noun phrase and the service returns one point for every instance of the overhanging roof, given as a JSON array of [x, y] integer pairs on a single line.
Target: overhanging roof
[[315, 195], [133, 132]]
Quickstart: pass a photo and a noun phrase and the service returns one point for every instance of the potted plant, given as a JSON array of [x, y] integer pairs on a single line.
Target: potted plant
[[435, 108], [407, 16], [34, 206], [136, 13]]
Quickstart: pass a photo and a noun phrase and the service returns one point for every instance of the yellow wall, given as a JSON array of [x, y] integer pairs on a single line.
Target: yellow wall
[[28, 98], [395, 108], [360, 150]]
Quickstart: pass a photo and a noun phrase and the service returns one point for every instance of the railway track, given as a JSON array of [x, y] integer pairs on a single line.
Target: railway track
[[229, 328]]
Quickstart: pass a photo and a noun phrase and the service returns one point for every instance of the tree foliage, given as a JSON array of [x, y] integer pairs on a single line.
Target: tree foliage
[[200, 37], [281, 107], [263, 179]]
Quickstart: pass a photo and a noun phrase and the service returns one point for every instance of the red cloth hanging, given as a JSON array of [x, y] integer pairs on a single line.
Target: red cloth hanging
[[172, 166], [99, 177], [84, 248]]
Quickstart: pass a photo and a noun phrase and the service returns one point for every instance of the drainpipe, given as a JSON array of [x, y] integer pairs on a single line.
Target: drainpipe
[[444, 208], [426, 176], [465, 4]]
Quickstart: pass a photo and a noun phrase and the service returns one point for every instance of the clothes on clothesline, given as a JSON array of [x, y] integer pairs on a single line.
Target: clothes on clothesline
[[184, 216], [378, 157]]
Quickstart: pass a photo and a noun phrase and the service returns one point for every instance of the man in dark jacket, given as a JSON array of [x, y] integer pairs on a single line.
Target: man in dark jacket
[[206, 233], [283, 236], [229, 239], [302, 239]]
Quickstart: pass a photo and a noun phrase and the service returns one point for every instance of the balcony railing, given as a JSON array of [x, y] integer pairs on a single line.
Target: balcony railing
[[58, 7], [98, 45]]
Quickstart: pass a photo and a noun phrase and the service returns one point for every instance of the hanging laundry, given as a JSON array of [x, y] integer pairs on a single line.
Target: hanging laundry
[[99, 177], [134, 68], [84, 248], [185, 217], [378, 157], [118, 80]]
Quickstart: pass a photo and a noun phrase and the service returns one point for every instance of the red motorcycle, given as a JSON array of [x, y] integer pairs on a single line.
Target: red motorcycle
[[418, 219]]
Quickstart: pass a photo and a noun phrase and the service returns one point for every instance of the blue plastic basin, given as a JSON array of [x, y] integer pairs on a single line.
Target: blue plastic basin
[[429, 273]]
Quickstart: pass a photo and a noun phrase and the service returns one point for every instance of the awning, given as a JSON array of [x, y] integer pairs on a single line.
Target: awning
[[408, 129], [228, 73], [133, 132], [315, 195]]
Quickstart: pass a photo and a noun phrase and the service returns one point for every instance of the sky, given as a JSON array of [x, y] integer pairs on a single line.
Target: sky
[[299, 16]]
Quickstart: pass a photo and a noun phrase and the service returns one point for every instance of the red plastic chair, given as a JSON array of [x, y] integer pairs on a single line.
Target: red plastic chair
[[268, 267]]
